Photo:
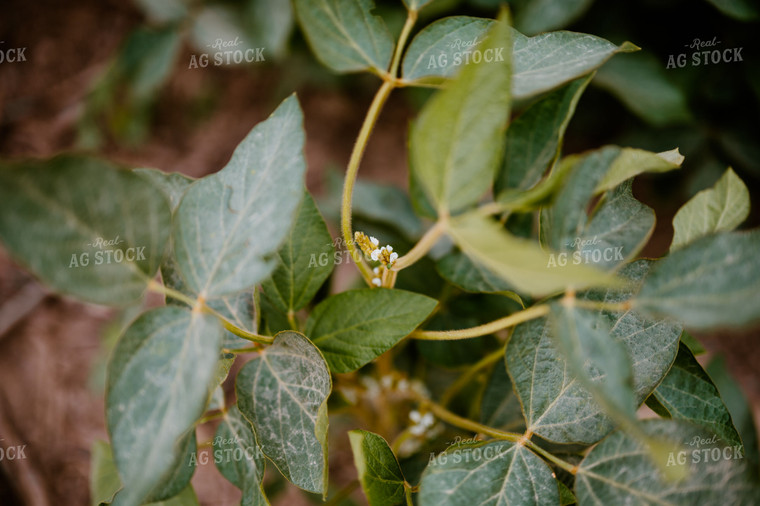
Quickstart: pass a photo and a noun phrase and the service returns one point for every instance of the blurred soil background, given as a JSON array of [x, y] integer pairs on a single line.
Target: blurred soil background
[[52, 349]]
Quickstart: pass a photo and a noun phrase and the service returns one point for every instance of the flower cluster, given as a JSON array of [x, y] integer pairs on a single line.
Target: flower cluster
[[385, 255], [421, 422]]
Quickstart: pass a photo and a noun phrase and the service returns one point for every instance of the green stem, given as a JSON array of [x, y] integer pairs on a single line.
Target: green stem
[[467, 376], [483, 330], [567, 466], [602, 306], [408, 494], [411, 18], [422, 247]]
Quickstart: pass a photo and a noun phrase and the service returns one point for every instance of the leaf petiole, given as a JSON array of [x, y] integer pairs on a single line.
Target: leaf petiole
[[483, 330]]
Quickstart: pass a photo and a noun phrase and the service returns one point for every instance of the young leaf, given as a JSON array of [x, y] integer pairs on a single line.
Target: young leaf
[[283, 393], [544, 15], [688, 393], [355, 327], [379, 473], [469, 275], [344, 35], [620, 470], [617, 231], [99, 233], [493, 473], [229, 224], [632, 162], [241, 462], [720, 208], [712, 282], [521, 262], [534, 139], [299, 274], [458, 139], [556, 405], [158, 382]]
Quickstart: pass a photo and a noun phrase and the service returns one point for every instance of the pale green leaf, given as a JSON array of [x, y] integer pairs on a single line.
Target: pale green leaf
[[711, 282], [639, 81], [216, 22], [355, 327], [460, 270], [229, 225], [283, 393], [490, 474], [621, 470], [687, 393], [158, 382], [521, 262], [457, 141], [544, 15], [173, 184], [534, 139], [632, 162], [379, 473], [556, 405], [239, 457], [344, 34], [99, 232], [720, 208], [299, 273]]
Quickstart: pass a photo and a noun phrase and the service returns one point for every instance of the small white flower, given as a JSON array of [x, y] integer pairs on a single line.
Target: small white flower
[[375, 254], [389, 248], [427, 420], [394, 257], [374, 241], [377, 282], [417, 430], [402, 385], [386, 382], [415, 416], [376, 270]]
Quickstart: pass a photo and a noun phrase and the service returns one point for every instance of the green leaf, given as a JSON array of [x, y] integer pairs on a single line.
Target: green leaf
[[386, 204], [379, 473], [240, 458], [488, 474], [743, 10], [520, 262], [182, 470], [711, 282], [693, 344], [620, 470], [300, 272], [631, 162], [99, 233], [639, 81], [544, 15], [283, 393], [105, 481], [355, 327], [688, 393], [556, 405], [173, 184], [457, 141], [617, 232], [458, 269], [270, 25], [720, 208], [230, 224], [344, 35], [158, 382], [438, 50], [598, 171], [500, 406], [534, 139], [566, 497]]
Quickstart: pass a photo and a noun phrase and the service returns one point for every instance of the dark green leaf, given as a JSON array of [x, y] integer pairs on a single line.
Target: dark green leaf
[[230, 224], [283, 393], [458, 269], [500, 407], [355, 327], [99, 233], [301, 271], [379, 472]]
